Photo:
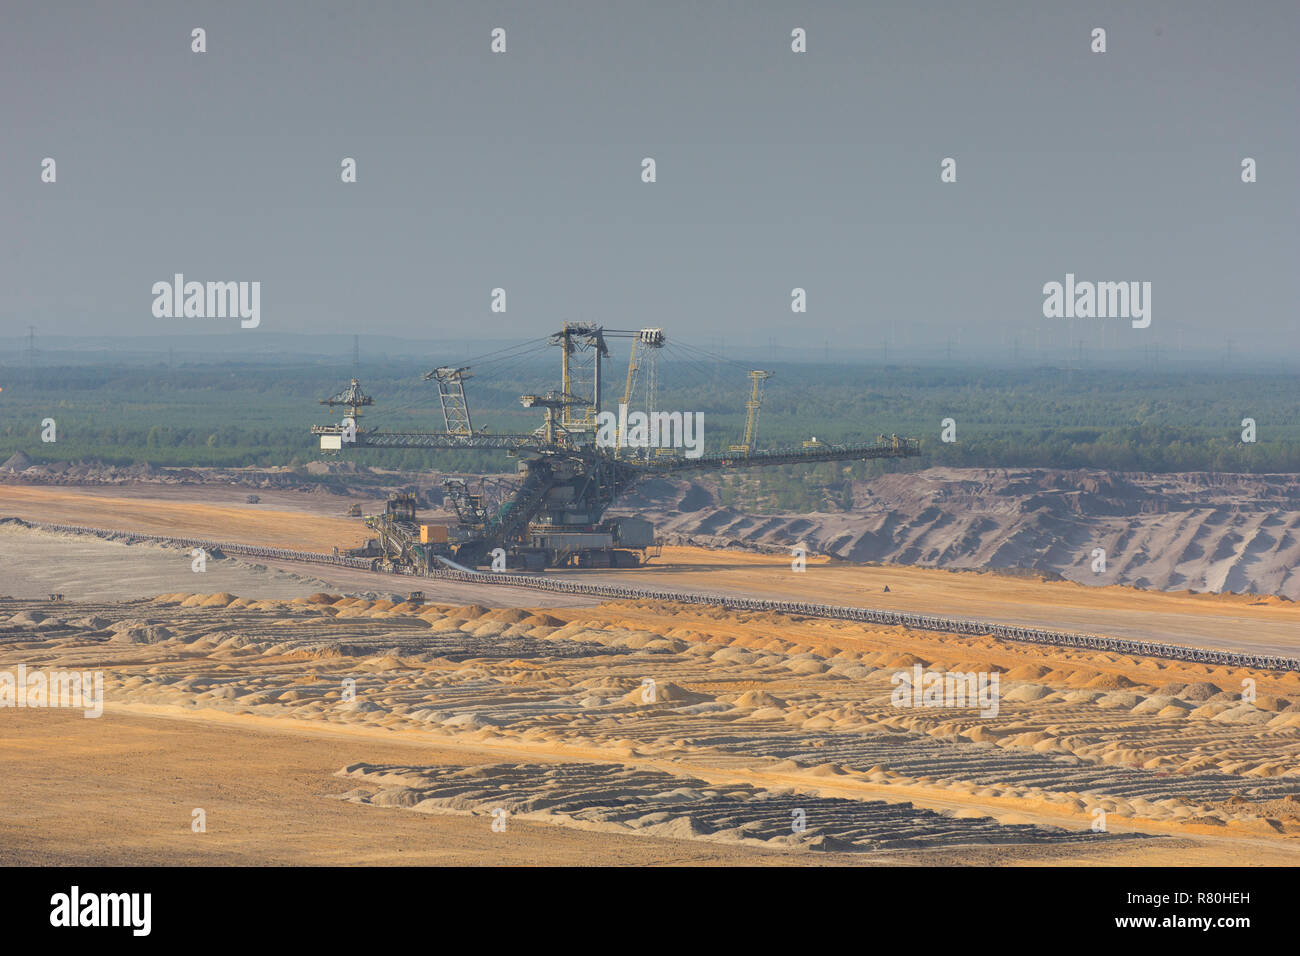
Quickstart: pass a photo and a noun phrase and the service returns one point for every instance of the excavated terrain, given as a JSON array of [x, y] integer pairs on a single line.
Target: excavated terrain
[[1201, 531]]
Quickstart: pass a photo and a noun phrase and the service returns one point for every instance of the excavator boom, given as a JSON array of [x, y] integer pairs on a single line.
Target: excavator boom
[[568, 480]]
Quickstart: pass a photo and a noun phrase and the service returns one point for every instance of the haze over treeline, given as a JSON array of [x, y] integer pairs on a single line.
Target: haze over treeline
[[919, 172], [236, 412]]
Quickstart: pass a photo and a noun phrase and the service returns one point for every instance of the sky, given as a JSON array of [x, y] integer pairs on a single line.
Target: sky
[[775, 170]]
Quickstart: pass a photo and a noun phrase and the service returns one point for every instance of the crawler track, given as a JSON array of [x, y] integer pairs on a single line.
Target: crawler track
[[929, 622]]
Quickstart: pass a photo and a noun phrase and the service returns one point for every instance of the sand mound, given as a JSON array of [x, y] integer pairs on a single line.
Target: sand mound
[[405, 609], [508, 615], [18, 461], [1027, 692], [139, 632], [1243, 714], [663, 692], [1270, 703], [1110, 682], [1158, 703], [1201, 691], [469, 611], [806, 667], [1028, 672], [903, 660], [1119, 698], [755, 699], [357, 706], [469, 722], [28, 617], [543, 620]]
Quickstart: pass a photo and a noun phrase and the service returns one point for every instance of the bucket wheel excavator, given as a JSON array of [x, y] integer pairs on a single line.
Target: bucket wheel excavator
[[555, 516]]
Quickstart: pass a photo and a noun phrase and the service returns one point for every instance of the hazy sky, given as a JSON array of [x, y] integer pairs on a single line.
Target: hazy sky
[[522, 170]]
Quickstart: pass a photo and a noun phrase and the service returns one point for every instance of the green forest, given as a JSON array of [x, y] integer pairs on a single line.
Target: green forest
[[241, 414]]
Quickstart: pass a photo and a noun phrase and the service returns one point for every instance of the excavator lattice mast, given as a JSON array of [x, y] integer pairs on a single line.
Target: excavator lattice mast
[[757, 378], [567, 479], [646, 344], [451, 394]]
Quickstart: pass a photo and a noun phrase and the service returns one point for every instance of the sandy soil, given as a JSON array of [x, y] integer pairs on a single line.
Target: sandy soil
[[301, 521], [35, 564], [1235, 622], [261, 788], [1207, 531], [463, 711], [124, 789], [328, 728], [1230, 621]]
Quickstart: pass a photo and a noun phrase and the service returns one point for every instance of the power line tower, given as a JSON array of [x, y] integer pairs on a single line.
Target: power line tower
[[31, 354]]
